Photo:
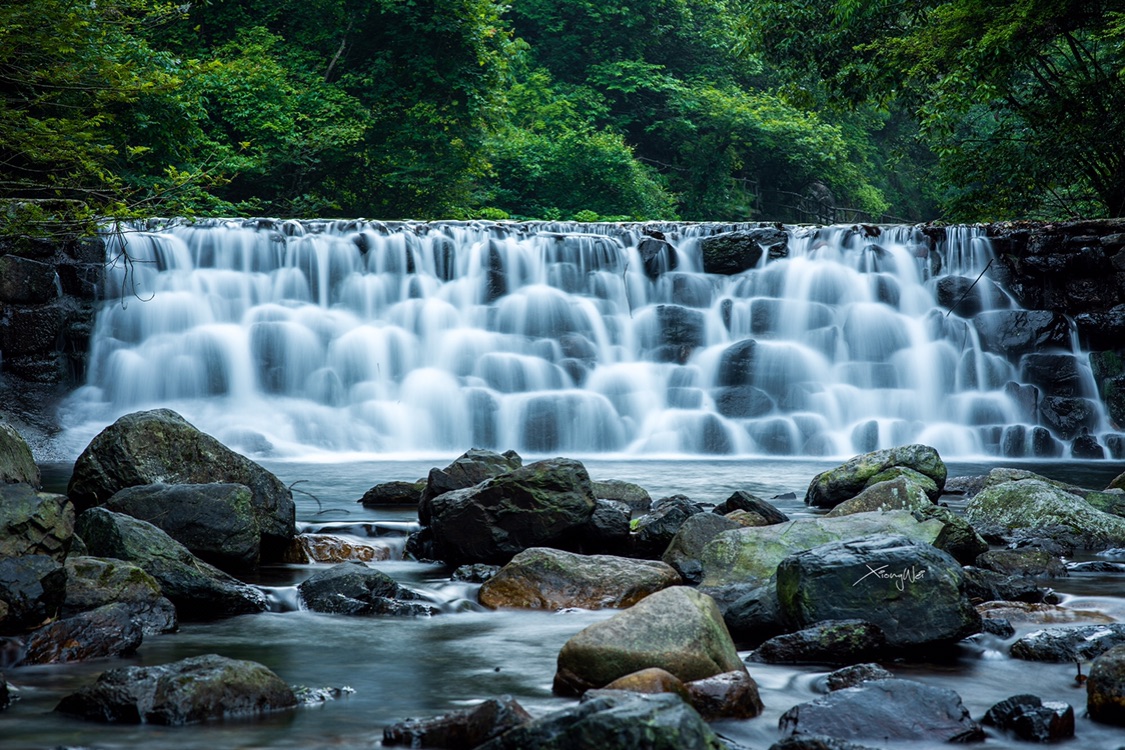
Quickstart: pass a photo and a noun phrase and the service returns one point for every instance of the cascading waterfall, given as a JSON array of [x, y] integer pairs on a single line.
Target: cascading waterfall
[[290, 338]]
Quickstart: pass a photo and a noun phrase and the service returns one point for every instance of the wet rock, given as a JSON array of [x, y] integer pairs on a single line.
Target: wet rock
[[1038, 612], [1111, 501], [459, 730], [1102, 329], [607, 531], [614, 720], [988, 586], [886, 710], [543, 578], [752, 554], [326, 548], [1029, 718], [730, 695], [161, 447], [1086, 447], [17, 465], [675, 334], [1118, 482], [199, 590], [1069, 644], [93, 582], [651, 680], [684, 551], [957, 537], [830, 488], [32, 589], [912, 591], [816, 742], [109, 630], [677, 629], [34, 523], [5, 693], [895, 494], [478, 573], [750, 611], [393, 493], [731, 253], [827, 642], [1033, 504], [742, 401], [183, 692], [1031, 563], [742, 500], [534, 506], [352, 588], [216, 522], [468, 469], [657, 256], [1054, 374], [635, 496], [1105, 687], [655, 530], [967, 296], [997, 626], [1069, 417], [855, 675], [1012, 333]]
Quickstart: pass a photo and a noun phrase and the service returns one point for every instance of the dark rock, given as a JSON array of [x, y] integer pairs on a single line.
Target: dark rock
[[614, 720], [736, 365], [684, 551], [750, 611], [912, 591], [459, 730], [1086, 447], [109, 630], [855, 675], [1022, 563], [730, 695], [830, 488], [968, 296], [217, 522], [32, 589], [1096, 566], [183, 692], [534, 506], [470, 468], [1031, 719], [1105, 687], [731, 253], [675, 333], [25, 281], [827, 642], [1102, 329], [957, 537], [5, 694], [742, 401], [635, 496], [1026, 397], [816, 742], [34, 523], [1068, 417], [997, 626], [657, 257], [198, 589], [16, 462], [990, 586], [93, 582], [1012, 333], [393, 493], [742, 500], [352, 588], [478, 573], [885, 710], [160, 446], [542, 578], [607, 531], [1054, 374], [1069, 644], [654, 530]]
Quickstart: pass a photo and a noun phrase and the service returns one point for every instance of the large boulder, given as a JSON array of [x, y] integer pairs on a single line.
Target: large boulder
[[470, 468], [537, 505], [93, 582], [183, 692], [32, 589], [198, 589], [217, 521], [1032, 504], [459, 730], [913, 592], [16, 462], [830, 488], [543, 578], [1105, 687], [352, 588], [730, 253], [752, 554], [615, 720], [686, 548], [109, 630], [677, 629], [34, 523], [161, 447], [887, 711]]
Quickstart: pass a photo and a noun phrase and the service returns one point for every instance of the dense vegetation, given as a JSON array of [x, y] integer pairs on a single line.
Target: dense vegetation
[[692, 109]]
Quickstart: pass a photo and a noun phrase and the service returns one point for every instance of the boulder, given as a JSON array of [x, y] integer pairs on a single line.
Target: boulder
[[677, 629], [614, 720], [1069, 417], [93, 582], [912, 591], [161, 447], [352, 588], [752, 554], [109, 630], [1069, 644], [1054, 374], [1027, 562], [534, 506], [731, 253], [17, 465], [32, 589], [653, 531], [830, 488], [749, 610], [326, 548], [1105, 687], [459, 730], [855, 675], [686, 547], [1012, 333], [215, 521], [34, 523], [393, 493], [893, 494], [1032, 504], [885, 710], [199, 590], [674, 334], [1118, 482], [607, 531], [183, 692], [635, 496], [543, 578], [827, 642], [742, 500], [470, 468], [657, 256], [1030, 719], [742, 401], [730, 695]]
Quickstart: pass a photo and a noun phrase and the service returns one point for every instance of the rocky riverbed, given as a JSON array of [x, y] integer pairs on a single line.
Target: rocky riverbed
[[607, 616]]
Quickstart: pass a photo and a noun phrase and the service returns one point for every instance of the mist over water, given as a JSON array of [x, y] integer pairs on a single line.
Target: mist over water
[[352, 339]]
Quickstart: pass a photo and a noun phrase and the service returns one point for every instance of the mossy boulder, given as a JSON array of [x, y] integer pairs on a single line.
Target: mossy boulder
[[830, 488], [16, 462], [891, 494], [1033, 504], [34, 523], [686, 548], [1105, 687], [93, 582]]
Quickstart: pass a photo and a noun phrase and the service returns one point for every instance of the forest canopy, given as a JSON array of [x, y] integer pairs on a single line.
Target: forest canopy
[[791, 110]]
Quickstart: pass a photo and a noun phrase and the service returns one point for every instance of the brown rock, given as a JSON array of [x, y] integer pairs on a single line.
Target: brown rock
[[651, 680], [326, 548], [730, 695]]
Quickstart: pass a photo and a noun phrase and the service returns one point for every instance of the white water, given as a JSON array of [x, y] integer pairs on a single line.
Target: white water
[[362, 338]]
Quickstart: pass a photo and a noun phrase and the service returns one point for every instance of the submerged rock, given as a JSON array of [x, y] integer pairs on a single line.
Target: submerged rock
[[1105, 687], [459, 730], [34, 523], [352, 588], [855, 675], [183, 692], [830, 488], [543, 578], [327, 548]]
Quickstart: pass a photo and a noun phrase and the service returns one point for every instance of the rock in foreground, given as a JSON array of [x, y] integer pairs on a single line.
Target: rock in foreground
[[459, 730], [1105, 687]]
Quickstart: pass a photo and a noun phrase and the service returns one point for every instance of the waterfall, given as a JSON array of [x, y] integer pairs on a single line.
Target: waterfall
[[300, 337]]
